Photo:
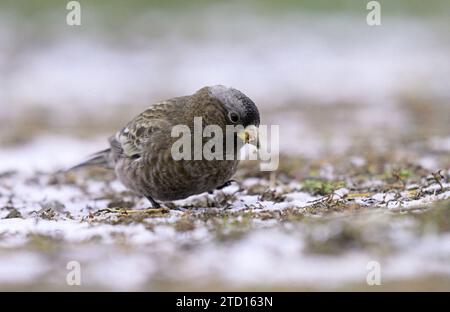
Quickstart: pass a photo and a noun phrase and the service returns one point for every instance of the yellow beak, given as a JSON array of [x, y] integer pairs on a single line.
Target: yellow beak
[[249, 135]]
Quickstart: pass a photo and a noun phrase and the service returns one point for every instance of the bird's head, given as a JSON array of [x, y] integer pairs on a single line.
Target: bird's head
[[241, 110]]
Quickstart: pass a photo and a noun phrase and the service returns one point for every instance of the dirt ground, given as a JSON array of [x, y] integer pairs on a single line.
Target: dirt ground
[[313, 224]]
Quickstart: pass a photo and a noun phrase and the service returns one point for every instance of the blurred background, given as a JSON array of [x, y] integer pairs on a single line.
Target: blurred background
[[314, 67], [362, 108]]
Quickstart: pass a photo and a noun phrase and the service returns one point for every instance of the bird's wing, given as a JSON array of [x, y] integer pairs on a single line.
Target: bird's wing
[[132, 139]]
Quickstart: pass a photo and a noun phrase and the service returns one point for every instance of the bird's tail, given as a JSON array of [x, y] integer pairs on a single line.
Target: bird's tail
[[99, 159]]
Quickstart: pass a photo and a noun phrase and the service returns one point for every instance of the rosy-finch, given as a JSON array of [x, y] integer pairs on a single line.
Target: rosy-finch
[[141, 152]]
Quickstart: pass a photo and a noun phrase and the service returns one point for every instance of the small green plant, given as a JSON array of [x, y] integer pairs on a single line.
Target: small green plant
[[321, 187]]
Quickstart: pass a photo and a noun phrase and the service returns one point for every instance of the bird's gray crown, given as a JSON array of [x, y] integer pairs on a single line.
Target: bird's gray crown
[[236, 101]]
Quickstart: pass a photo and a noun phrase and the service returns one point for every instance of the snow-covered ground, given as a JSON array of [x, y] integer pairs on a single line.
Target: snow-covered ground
[[284, 237]]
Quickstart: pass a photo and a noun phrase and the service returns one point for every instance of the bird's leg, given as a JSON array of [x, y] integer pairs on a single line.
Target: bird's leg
[[156, 208], [153, 202]]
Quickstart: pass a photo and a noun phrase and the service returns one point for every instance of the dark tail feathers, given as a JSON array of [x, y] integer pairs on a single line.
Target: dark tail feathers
[[99, 159]]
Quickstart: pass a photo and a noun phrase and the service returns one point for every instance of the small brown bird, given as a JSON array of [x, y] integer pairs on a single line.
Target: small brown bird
[[141, 153]]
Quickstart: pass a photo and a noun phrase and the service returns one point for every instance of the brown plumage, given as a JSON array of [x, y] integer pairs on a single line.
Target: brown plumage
[[140, 153]]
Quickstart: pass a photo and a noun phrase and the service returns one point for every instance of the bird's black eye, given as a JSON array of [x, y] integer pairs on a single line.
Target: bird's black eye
[[234, 118]]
